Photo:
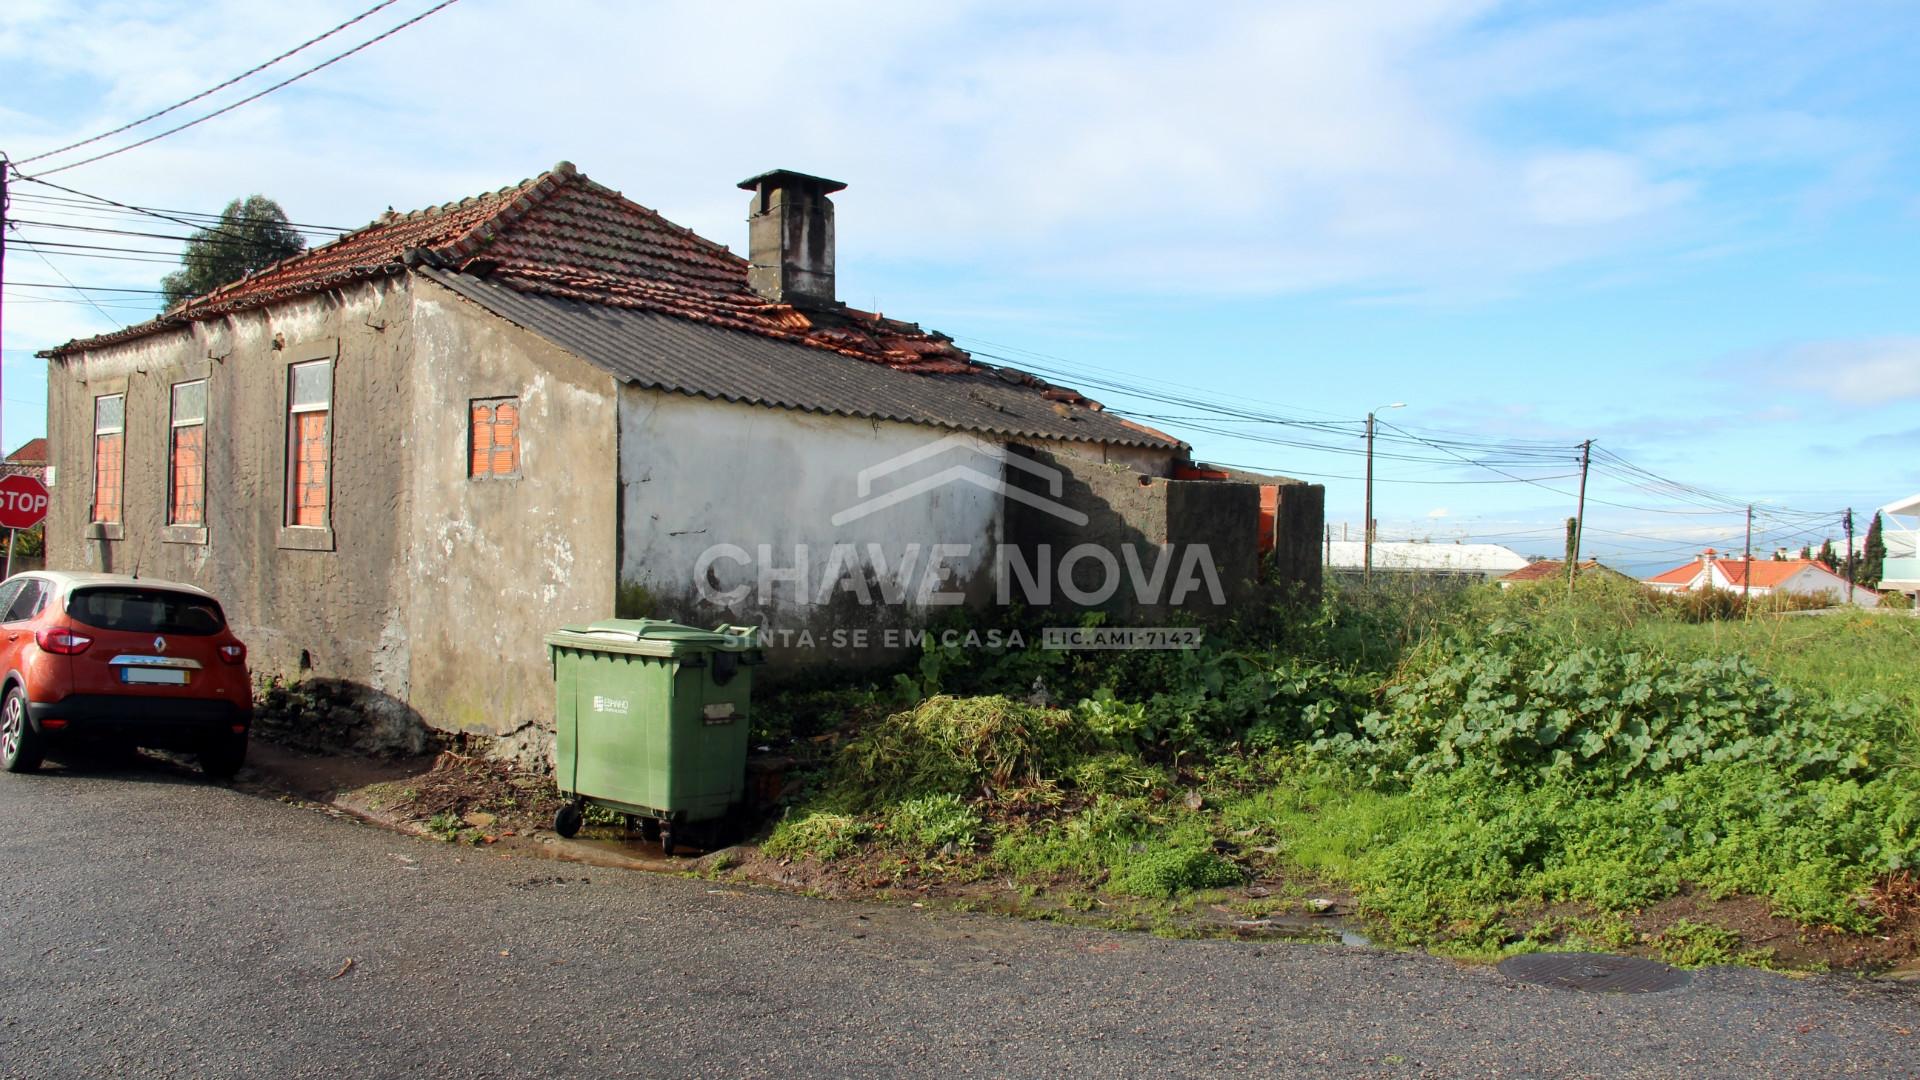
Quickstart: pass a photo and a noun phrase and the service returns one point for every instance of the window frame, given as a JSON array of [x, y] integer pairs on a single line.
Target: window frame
[[492, 405], [120, 478], [291, 510], [174, 426]]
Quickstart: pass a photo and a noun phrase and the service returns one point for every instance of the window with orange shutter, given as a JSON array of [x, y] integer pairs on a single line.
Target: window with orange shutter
[[109, 454], [187, 465], [309, 442], [493, 440]]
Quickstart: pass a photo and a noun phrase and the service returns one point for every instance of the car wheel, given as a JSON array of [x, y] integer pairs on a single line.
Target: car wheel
[[19, 744], [223, 761]]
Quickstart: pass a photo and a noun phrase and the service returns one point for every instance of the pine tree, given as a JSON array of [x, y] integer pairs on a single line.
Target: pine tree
[[1827, 556], [253, 234], [1873, 562]]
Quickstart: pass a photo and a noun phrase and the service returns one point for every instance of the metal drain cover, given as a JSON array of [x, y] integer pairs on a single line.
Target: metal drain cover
[[1594, 972]]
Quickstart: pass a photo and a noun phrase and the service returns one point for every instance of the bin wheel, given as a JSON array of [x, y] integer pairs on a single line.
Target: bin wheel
[[666, 838], [650, 828], [566, 820]]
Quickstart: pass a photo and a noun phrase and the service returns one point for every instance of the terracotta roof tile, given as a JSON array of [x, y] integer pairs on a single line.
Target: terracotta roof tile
[[1679, 575], [562, 235], [34, 452], [1767, 573], [1542, 569]]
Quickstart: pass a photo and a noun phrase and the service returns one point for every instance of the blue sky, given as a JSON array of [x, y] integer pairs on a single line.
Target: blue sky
[[1685, 230]]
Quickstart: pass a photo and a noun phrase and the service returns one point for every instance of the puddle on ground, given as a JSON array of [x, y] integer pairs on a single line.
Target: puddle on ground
[[1298, 928]]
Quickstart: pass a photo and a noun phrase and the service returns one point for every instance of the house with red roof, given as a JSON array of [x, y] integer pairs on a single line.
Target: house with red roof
[[402, 456], [1762, 577], [30, 460], [1552, 570]]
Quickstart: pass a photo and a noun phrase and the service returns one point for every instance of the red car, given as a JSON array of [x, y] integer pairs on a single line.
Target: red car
[[110, 658]]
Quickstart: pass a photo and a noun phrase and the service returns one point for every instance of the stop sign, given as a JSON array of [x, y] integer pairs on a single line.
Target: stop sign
[[23, 502]]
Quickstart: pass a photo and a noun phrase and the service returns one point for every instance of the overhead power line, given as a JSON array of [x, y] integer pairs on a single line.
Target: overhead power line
[[177, 128], [91, 210], [87, 296], [210, 91], [82, 288]]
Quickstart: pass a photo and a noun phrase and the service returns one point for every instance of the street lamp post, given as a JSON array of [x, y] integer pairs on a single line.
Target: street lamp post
[[1366, 526]]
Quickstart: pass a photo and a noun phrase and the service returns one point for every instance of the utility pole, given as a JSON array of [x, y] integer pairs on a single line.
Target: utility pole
[[1366, 521], [5, 167], [1366, 527], [1849, 522], [1579, 516], [1746, 579]]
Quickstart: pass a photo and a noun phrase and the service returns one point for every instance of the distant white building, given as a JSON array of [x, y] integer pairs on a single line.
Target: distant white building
[[1482, 561], [1900, 531], [1762, 577]]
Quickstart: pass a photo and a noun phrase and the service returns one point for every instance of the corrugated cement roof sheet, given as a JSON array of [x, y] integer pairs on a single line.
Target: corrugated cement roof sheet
[[661, 352]]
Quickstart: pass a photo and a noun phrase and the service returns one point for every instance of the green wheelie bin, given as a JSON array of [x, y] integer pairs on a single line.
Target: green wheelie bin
[[651, 722]]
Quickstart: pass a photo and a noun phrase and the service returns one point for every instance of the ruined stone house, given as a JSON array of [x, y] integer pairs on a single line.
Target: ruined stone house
[[400, 457]]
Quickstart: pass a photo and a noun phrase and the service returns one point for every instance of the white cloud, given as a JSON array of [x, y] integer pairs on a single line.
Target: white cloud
[[1860, 371], [1261, 147], [1594, 187]]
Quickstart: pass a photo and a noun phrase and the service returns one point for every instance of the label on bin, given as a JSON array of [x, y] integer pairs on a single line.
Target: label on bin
[[721, 713], [610, 705]]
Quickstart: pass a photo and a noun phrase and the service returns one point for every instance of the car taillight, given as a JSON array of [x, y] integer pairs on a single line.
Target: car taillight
[[234, 654], [55, 639]]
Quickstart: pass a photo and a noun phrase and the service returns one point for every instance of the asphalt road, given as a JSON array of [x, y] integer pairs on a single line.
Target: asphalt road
[[156, 926]]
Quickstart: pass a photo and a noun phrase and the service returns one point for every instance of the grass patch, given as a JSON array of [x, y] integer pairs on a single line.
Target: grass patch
[[1457, 759], [1169, 872], [817, 835]]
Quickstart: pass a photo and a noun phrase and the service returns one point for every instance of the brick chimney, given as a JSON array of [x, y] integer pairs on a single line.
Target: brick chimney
[[790, 237]]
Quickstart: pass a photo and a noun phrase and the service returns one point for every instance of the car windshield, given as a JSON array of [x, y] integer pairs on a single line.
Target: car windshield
[[146, 611]]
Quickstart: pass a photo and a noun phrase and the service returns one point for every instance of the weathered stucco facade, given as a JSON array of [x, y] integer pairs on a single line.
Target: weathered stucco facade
[[325, 602], [428, 589]]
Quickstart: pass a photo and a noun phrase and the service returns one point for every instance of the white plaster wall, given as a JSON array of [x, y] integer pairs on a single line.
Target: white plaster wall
[[698, 473], [1810, 581]]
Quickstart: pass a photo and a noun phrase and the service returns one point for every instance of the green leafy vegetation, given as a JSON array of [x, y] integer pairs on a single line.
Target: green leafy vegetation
[[1459, 761], [252, 234], [815, 835]]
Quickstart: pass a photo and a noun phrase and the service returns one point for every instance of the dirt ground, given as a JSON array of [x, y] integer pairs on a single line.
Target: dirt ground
[[471, 800]]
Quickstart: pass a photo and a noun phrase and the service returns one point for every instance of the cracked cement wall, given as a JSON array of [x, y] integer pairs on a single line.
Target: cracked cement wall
[[495, 563]]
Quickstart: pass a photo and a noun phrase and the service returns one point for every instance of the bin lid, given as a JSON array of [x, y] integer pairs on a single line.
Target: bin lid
[[654, 637]]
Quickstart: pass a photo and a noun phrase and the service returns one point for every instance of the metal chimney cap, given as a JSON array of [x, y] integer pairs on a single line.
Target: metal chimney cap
[[779, 178]]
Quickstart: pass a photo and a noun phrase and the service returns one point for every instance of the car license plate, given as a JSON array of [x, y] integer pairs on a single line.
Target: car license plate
[[164, 676]]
